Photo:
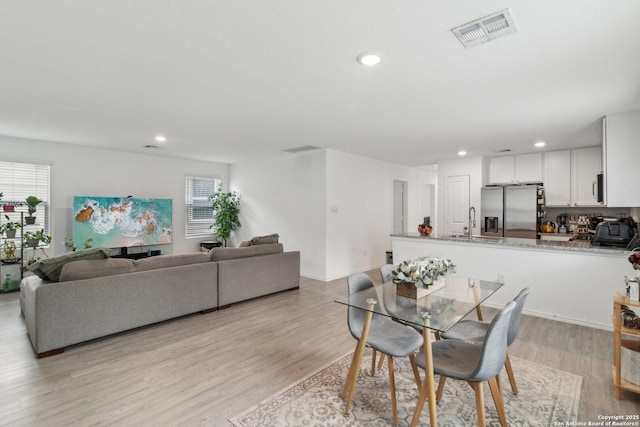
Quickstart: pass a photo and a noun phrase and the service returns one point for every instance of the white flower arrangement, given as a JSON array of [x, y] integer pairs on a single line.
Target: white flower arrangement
[[422, 272]]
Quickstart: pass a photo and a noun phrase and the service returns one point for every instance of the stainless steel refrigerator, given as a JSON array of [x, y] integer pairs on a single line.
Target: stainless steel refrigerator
[[512, 211]]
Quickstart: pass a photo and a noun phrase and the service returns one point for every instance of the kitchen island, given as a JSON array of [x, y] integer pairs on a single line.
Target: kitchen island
[[570, 281]]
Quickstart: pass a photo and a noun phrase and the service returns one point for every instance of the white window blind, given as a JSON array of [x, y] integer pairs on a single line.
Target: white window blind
[[21, 180], [198, 209]]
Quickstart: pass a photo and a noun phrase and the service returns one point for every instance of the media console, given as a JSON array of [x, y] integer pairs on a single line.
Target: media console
[[138, 255]]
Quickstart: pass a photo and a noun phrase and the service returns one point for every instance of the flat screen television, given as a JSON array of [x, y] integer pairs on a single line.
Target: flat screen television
[[121, 222]]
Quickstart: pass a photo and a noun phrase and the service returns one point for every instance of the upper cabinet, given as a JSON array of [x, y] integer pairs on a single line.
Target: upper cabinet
[[586, 165], [621, 140], [571, 177], [520, 169], [557, 178]]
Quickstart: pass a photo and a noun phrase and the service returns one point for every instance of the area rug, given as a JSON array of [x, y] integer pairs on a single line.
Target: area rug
[[545, 396]]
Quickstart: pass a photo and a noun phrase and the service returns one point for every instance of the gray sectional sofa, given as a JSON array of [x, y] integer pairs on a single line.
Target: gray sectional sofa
[[93, 298]]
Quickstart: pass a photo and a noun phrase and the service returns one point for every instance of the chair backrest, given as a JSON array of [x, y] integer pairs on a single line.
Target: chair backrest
[[514, 324], [385, 272], [494, 347], [355, 317]]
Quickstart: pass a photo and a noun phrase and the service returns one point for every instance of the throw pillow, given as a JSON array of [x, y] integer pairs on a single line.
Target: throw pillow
[[49, 268], [265, 240]]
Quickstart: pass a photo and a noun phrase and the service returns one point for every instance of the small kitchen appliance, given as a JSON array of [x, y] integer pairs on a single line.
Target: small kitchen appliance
[[563, 221], [612, 233]]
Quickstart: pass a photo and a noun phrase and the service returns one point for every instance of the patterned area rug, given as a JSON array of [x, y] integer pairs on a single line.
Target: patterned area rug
[[545, 395]]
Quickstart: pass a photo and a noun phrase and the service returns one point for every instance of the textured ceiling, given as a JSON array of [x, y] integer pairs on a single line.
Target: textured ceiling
[[236, 80]]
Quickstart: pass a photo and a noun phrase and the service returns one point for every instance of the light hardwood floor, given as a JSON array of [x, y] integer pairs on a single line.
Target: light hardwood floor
[[203, 369]]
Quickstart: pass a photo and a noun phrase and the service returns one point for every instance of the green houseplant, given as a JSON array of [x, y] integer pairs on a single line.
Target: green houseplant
[[9, 250], [32, 203], [34, 238], [226, 208], [10, 227]]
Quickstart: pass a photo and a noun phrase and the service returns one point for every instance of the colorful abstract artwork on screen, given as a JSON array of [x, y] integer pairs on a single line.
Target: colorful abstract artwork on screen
[[114, 222]]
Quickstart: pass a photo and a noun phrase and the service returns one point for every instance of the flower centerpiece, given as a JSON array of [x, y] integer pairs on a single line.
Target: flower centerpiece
[[416, 278]]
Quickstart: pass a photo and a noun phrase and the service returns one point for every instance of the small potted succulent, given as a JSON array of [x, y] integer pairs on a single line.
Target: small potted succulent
[[32, 203], [10, 228]]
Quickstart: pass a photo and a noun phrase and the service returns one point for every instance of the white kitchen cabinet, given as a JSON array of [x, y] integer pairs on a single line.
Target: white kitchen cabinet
[[502, 170], [523, 168], [622, 154], [528, 168], [586, 164], [571, 177], [557, 178]]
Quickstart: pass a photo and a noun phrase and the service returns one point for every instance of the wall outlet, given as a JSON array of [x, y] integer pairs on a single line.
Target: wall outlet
[[501, 278]]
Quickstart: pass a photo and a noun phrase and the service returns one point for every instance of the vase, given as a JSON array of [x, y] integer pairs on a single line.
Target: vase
[[11, 234], [409, 290]]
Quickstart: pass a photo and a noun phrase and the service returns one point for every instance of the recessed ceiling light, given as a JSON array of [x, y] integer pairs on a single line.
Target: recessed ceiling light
[[161, 138], [540, 144], [462, 153], [367, 58]]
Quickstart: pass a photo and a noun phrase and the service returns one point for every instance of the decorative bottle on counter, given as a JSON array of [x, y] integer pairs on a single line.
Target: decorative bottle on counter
[[633, 291]]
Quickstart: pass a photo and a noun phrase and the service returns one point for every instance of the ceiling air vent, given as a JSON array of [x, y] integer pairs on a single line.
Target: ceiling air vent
[[482, 30]]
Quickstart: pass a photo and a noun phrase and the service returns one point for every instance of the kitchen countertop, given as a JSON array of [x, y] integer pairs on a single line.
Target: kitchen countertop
[[571, 246]]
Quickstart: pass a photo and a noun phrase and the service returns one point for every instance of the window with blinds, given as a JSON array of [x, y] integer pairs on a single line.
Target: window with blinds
[[198, 209], [21, 180]]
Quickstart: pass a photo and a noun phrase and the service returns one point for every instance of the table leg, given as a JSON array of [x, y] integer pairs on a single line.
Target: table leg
[[357, 356], [428, 386], [476, 296]]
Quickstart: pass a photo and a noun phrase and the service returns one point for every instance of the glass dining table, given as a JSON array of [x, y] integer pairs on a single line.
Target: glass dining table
[[436, 312]]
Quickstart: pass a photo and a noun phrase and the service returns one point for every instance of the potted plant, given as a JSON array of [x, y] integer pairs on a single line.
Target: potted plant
[[9, 250], [33, 239], [226, 208], [10, 227], [68, 243], [32, 203]]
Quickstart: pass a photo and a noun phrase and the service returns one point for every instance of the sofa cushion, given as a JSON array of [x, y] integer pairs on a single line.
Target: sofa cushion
[[164, 261], [222, 254], [89, 269], [50, 268], [265, 240]]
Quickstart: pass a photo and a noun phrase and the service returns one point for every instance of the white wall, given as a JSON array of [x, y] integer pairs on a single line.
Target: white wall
[[334, 207], [77, 171], [359, 210], [286, 195]]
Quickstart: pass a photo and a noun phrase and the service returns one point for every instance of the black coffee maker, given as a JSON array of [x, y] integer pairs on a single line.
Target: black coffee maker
[[563, 223]]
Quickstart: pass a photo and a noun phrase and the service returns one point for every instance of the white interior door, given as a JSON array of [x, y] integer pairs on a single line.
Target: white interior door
[[399, 206], [456, 207]]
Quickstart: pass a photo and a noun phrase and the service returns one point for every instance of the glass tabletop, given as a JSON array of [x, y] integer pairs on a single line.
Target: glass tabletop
[[444, 307]]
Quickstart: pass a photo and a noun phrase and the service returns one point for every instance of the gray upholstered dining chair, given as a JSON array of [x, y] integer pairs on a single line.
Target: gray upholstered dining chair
[[475, 362], [385, 272], [474, 330], [385, 335]]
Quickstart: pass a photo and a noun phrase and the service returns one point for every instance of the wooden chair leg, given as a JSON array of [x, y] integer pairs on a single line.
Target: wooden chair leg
[[416, 372], [380, 363], [496, 392], [477, 388], [512, 378], [373, 361], [392, 386], [347, 381], [441, 382]]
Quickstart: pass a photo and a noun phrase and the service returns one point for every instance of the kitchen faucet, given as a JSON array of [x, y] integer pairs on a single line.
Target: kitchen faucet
[[472, 222]]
